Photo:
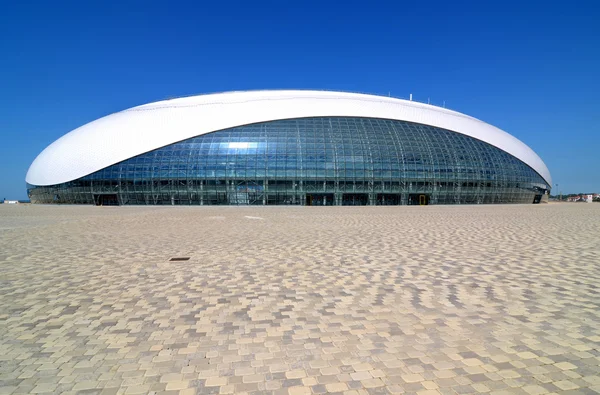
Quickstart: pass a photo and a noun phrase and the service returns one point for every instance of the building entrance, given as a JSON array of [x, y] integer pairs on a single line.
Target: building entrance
[[106, 200], [418, 199], [355, 199], [388, 199], [537, 199], [319, 199]]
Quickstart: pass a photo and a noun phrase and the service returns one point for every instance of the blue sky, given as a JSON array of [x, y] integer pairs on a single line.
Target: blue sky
[[531, 68]]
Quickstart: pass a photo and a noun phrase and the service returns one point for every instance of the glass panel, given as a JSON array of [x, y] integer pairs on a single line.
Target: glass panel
[[283, 162]]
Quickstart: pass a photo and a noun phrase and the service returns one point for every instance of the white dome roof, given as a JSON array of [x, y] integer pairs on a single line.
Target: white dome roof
[[129, 133]]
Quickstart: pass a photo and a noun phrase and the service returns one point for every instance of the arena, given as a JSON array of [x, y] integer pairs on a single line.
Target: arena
[[287, 147]]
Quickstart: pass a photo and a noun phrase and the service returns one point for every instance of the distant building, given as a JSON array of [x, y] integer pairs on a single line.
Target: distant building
[[584, 198], [11, 201]]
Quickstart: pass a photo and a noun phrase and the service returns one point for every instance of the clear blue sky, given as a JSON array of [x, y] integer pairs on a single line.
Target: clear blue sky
[[530, 68]]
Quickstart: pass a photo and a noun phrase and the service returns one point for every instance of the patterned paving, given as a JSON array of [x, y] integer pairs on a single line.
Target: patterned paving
[[300, 300]]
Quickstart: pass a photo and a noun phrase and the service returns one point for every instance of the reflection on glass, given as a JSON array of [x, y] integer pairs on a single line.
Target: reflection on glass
[[325, 161]]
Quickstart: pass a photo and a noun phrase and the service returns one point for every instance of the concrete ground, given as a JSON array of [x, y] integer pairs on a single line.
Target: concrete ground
[[300, 300]]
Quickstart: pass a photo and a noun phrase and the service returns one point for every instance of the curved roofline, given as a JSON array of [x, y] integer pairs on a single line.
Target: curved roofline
[[131, 132], [365, 96], [169, 98]]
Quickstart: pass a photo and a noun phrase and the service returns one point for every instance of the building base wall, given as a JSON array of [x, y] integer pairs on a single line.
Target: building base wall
[[299, 194]]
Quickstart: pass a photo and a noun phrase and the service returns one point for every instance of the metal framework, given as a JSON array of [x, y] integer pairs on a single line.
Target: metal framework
[[311, 161]]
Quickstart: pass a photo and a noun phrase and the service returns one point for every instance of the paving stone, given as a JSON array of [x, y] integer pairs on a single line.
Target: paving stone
[[336, 387], [565, 365], [137, 389], [215, 381], [372, 383], [295, 374], [412, 378], [177, 385], [565, 385], [535, 389], [299, 391], [481, 388], [363, 375]]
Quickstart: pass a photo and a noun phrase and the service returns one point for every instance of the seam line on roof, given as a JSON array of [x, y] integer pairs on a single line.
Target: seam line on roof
[[408, 104]]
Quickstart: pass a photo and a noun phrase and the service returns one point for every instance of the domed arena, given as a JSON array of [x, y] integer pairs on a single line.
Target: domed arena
[[312, 148]]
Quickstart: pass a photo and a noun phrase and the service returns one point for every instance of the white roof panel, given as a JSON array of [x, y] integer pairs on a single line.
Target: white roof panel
[[131, 132]]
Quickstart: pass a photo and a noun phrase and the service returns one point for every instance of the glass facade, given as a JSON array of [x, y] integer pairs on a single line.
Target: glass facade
[[311, 161]]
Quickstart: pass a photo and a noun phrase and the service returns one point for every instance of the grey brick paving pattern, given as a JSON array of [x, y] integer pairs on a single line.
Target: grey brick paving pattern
[[300, 300]]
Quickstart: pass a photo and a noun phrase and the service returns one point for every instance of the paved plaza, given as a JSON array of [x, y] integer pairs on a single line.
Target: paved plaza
[[300, 300]]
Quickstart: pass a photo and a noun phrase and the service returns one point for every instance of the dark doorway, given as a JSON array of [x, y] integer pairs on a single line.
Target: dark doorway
[[282, 198], [388, 199], [319, 199], [537, 199], [418, 199], [106, 200], [355, 199]]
